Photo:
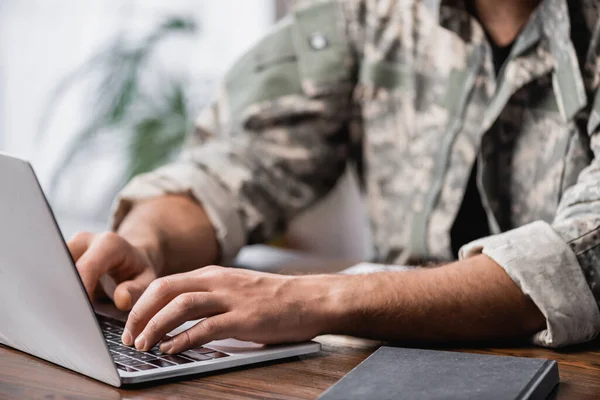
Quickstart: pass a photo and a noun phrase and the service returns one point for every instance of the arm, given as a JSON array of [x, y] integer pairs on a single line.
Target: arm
[[469, 300], [472, 299]]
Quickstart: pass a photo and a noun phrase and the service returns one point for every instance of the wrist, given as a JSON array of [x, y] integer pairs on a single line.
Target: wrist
[[329, 302]]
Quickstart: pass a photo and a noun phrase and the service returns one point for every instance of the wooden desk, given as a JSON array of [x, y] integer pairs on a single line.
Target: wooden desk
[[22, 376], [306, 377]]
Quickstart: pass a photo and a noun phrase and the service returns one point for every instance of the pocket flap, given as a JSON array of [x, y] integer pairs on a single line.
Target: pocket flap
[[383, 74], [322, 47]]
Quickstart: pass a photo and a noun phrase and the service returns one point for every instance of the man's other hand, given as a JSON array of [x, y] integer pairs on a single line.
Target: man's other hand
[[132, 268], [245, 305]]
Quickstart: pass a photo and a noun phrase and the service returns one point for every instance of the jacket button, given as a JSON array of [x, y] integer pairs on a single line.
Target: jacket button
[[318, 41]]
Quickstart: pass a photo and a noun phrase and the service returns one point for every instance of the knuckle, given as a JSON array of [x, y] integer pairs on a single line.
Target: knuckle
[[85, 265], [185, 301], [160, 286], [80, 237], [110, 238], [134, 317], [209, 326], [153, 327], [185, 340], [214, 271]]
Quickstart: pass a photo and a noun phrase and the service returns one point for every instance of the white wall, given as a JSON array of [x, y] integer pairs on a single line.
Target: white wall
[[42, 41]]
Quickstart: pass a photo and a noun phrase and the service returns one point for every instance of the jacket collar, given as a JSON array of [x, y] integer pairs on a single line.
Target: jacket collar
[[550, 22], [567, 80]]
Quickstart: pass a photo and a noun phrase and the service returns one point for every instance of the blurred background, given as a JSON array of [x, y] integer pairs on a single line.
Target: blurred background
[[93, 92]]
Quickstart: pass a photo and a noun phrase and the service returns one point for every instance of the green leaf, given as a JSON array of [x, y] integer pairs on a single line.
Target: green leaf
[[159, 134], [121, 108]]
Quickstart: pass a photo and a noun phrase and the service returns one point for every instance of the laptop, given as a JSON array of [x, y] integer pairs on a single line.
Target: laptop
[[45, 311]]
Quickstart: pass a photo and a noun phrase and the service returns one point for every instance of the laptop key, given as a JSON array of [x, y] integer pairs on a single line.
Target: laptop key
[[132, 363], [145, 367], [161, 363], [120, 358], [129, 352], [125, 368], [109, 328], [196, 356], [155, 351], [202, 350], [217, 354], [107, 319], [177, 359], [143, 357]]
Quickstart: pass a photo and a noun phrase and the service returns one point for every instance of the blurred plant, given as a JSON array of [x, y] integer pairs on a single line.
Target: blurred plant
[[126, 112]]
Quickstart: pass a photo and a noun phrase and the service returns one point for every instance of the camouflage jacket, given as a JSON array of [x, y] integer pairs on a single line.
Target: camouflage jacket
[[407, 90]]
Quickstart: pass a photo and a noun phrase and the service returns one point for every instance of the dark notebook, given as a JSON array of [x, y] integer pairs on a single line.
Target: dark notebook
[[395, 373]]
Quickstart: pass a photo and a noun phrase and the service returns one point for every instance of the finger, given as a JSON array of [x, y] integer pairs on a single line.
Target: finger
[[78, 244], [185, 307], [222, 326], [127, 293], [157, 296], [102, 255]]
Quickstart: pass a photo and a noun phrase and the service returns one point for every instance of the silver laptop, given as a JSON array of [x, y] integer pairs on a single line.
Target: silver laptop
[[44, 309]]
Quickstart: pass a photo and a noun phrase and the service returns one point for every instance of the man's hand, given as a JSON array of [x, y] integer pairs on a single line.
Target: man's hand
[[246, 305], [132, 268], [159, 236]]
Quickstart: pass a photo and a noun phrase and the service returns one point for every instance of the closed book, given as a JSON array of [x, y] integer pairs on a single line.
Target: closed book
[[396, 373]]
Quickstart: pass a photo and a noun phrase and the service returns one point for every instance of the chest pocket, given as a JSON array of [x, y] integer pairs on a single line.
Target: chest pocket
[[306, 53]]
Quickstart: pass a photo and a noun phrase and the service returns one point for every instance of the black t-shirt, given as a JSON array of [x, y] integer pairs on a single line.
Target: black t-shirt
[[471, 221]]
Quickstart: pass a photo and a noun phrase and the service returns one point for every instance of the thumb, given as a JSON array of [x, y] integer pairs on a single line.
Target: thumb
[[128, 293]]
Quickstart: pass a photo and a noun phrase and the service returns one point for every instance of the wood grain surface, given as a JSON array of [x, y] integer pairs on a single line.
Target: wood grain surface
[[306, 377]]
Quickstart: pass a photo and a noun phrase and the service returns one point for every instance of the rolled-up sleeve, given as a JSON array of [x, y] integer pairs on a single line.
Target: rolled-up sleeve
[[275, 138], [547, 270]]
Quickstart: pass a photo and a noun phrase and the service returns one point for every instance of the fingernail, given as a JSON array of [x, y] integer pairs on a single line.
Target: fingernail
[[126, 337], [166, 346], [140, 342]]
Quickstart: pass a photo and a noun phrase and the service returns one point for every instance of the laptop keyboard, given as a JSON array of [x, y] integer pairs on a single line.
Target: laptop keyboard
[[130, 360]]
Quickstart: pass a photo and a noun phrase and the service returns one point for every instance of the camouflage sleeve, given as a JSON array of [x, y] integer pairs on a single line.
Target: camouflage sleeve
[[558, 265], [275, 138], [539, 260]]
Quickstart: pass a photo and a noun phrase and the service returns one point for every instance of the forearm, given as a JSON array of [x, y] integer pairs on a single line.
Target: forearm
[[472, 299], [174, 231]]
